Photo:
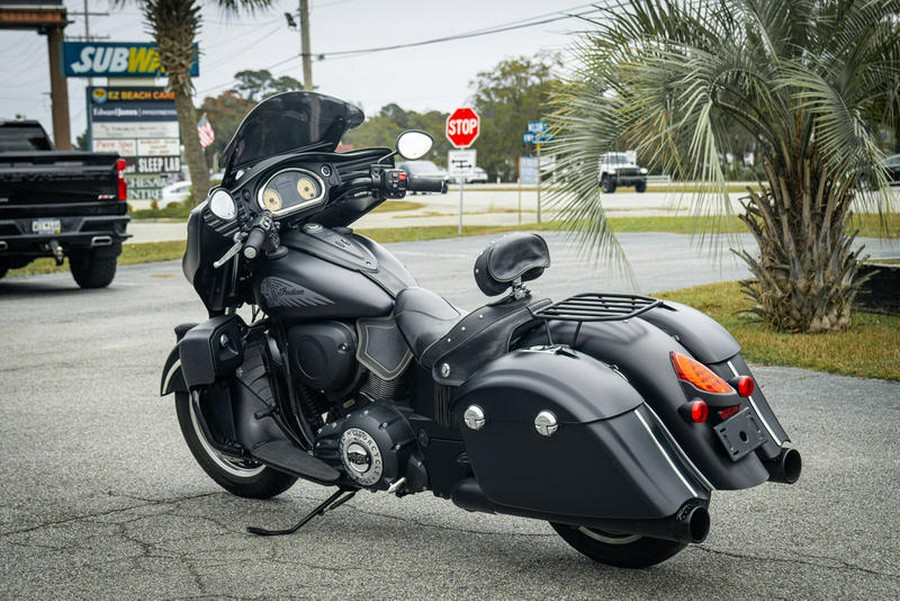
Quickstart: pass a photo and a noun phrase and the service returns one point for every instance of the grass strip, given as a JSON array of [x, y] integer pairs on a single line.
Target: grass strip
[[869, 349]]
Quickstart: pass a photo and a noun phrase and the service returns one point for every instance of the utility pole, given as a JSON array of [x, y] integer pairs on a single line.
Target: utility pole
[[305, 54]]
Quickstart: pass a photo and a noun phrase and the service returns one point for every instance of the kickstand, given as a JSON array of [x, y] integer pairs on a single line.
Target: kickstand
[[332, 502]]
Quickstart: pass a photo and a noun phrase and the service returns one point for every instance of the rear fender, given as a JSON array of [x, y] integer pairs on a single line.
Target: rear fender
[[641, 352]]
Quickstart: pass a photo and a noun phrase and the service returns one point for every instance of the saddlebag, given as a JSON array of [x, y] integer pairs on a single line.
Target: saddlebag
[[212, 349], [554, 432]]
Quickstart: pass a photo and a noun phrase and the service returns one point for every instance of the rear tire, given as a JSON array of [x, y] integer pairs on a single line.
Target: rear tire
[[91, 270], [619, 550], [242, 478]]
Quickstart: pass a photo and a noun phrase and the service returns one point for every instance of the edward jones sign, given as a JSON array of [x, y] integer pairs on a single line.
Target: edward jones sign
[[115, 59]]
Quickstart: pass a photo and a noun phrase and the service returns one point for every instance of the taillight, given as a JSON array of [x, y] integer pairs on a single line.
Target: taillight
[[699, 375], [123, 185], [696, 411], [745, 386], [729, 411]]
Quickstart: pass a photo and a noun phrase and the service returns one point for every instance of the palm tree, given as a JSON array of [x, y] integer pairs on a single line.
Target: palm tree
[[800, 76], [174, 25]]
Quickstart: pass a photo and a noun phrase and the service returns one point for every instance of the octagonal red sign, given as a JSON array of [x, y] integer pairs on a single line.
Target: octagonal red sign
[[462, 127]]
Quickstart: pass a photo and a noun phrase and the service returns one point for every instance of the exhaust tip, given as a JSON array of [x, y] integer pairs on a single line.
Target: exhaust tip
[[786, 467], [698, 524]]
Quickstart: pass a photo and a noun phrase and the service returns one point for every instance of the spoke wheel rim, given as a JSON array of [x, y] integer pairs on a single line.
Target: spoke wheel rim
[[609, 538], [237, 468]]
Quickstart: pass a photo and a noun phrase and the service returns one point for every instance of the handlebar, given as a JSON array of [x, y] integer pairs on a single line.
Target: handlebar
[[425, 184], [255, 239]]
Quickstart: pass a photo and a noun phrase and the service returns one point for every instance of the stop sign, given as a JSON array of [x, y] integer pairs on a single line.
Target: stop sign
[[462, 127]]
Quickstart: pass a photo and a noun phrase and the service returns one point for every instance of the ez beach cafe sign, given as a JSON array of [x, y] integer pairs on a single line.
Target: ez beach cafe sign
[[116, 59]]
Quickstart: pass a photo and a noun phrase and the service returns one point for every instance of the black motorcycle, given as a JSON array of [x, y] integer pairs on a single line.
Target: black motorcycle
[[611, 416]]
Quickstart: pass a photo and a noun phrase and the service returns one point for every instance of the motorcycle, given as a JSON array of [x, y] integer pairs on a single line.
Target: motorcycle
[[611, 416]]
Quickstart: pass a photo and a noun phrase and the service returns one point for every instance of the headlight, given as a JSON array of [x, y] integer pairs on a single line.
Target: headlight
[[643, 171], [612, 170], [222, 205]]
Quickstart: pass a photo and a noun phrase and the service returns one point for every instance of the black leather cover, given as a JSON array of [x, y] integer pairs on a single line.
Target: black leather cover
[[423, 317], [517, 255]]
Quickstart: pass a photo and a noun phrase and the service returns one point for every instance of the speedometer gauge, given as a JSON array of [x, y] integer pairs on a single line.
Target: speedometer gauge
[[271, 199], [307, 188]]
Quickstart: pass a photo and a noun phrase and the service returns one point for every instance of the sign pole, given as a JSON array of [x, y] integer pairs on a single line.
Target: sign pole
[[462, 185], [538, 146], [520, 190]]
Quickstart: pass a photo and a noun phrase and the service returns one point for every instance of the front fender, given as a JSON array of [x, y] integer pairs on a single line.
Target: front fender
[[172, 376]]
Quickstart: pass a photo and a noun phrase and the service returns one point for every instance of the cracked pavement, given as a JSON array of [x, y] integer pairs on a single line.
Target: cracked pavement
[[101, 499]]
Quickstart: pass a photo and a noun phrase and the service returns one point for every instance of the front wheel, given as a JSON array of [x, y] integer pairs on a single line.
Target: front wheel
[[240, 477], [607, 185], [640, 186], [620, 550]]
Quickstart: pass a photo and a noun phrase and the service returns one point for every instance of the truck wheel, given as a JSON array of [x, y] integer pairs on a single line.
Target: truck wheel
[[242, 478], [607, 185], [3, 270], [640, 186], [91, 270], [620, 550]]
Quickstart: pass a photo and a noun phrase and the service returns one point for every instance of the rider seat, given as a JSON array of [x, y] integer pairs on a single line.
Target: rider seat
[[423, 317]]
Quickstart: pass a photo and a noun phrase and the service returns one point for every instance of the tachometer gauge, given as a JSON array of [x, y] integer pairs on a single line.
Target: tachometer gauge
[[307, 188], [271, 199]]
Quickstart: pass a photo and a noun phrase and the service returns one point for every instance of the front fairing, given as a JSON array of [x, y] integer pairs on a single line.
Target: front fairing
[[289, 122]]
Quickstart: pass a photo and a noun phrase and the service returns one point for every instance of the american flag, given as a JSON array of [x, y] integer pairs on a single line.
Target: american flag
[[205, 130]]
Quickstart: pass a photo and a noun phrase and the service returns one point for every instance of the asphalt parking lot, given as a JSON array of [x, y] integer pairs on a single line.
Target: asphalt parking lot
[[101, 499]]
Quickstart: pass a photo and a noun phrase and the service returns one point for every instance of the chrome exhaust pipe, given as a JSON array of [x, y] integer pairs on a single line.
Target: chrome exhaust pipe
[[786, 467], [690, 524], [101, 241]]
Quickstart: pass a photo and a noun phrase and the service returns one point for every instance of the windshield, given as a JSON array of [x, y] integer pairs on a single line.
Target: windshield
[[617, 158], [290, 121]]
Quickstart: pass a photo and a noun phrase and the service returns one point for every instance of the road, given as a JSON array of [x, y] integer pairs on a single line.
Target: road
[[101, 499]]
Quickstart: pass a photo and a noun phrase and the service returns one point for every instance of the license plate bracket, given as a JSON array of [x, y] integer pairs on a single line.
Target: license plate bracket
[[46, 226], [740, 434]]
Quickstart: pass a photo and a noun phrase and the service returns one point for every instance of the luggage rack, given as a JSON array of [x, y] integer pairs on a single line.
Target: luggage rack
[[597, 306]]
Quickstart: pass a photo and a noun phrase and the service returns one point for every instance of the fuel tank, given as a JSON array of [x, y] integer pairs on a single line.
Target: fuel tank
[[328, 274]]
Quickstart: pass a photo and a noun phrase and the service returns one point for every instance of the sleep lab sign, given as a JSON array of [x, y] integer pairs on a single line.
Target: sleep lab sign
[[116, 59]]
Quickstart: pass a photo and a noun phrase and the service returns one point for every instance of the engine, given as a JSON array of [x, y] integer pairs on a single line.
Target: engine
[[375, 447]]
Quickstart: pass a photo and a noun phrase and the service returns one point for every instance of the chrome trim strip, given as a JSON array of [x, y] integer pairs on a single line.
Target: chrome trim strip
[[683, 456], [666, 455], [175, 367], [756, 410]]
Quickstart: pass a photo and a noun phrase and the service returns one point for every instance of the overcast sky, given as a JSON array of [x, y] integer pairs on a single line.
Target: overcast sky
[[435, 76]]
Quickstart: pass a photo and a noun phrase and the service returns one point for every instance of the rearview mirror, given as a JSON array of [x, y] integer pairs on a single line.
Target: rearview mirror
[[414, 144]]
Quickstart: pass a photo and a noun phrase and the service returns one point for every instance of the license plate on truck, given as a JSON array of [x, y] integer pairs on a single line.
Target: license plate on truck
[[46, 226], [740, 434]]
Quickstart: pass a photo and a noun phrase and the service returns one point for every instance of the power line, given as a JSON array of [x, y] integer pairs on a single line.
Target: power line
[[503, 28]]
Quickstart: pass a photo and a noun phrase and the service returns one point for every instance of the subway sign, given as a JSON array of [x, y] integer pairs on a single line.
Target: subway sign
[[116, 59]]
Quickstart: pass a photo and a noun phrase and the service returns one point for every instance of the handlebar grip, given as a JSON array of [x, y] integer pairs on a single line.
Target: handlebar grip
[[426, 184], [255, 240]]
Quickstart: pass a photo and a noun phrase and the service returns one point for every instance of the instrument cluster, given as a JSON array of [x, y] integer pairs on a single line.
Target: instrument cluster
[[291, 190]]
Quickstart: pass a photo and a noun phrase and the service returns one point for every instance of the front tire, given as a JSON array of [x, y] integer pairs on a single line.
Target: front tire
[[607, 185], [619, 550], [243, 478], [640, 186], [91, 270]]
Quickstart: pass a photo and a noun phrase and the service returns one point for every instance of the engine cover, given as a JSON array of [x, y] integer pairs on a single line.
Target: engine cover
[[373, 446]]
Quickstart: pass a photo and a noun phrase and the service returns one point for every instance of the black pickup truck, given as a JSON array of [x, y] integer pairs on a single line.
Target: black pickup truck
[[60, 204]]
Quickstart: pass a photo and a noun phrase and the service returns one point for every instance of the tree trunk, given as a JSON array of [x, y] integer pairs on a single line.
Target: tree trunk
[[806, 274], [193, 152]]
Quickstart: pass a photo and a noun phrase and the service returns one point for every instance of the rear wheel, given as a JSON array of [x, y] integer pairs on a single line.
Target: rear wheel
[[90, 269], [241, 477], [620, 550]]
